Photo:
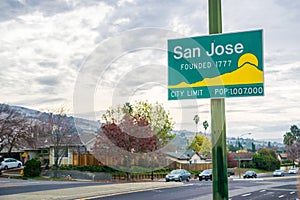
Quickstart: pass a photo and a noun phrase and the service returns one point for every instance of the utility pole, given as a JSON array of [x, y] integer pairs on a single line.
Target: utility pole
[[218, 122]]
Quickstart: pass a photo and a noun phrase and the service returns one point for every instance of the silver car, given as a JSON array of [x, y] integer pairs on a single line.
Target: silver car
[[178, 175], [278, 172]]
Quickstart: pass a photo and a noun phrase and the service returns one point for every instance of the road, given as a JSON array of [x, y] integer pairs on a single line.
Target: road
[[238, 190], [259, 189]]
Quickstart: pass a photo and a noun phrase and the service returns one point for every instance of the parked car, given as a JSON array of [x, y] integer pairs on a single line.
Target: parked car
[[8, 163], [293, 171], [250, 174], [278, 172], [205, 175], [178, 175], [230, 172]]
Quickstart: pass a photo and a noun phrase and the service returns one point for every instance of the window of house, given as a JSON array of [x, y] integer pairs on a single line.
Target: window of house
[[61, 152]]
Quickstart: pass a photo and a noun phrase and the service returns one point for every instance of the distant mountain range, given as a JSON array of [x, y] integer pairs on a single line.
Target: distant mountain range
[[87, 129]]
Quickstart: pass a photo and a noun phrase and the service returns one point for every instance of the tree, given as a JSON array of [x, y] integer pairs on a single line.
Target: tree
[[292, 136], [60, 133], [266, 159], [206, 146], [159, 119], [201, 144], [196, 119], [132, 135], [205, 125], [232, 148], [126, 143], [196, 143], [293, 152], [14, 129], [292, 141], [253, 148]]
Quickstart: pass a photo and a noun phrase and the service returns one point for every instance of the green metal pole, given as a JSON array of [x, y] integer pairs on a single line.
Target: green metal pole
[[218, 122]]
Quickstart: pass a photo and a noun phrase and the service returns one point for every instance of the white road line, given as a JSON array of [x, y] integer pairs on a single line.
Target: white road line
[[292, 192], [262, 191], [244, 195], [280, 196]]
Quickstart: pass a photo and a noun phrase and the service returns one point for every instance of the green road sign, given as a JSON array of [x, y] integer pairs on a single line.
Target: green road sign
[[216, 66]]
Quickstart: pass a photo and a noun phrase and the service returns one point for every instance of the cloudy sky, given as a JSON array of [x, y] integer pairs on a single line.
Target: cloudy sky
[[92, 54]]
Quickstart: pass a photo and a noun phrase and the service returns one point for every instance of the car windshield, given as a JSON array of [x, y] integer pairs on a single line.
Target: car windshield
[[175, 172], [249, 172], [277, 170], [206, 172]]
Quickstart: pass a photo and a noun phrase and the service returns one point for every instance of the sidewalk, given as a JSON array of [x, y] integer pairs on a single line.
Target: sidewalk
[[92, 191]]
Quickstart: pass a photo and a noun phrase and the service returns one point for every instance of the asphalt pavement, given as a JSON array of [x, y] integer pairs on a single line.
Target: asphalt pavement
[[92, 191]]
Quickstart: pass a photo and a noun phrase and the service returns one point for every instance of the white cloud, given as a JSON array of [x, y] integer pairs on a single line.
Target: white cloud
[[44, 44]]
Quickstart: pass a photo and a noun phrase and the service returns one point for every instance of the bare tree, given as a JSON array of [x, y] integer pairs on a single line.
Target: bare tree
[[61, 134], [14, 129]]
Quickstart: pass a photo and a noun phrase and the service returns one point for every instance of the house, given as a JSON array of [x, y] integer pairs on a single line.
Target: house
[[45, 149], [234, 158], [282, 157], [185, 157]]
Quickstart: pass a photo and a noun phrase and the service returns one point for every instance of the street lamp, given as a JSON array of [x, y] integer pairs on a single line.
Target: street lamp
[[239, 157]]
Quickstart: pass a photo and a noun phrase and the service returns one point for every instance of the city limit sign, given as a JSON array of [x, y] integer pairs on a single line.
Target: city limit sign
[[216, 66]]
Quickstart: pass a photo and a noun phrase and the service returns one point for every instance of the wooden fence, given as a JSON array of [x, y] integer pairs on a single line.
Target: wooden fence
[[87, 159], [138, 176], [191, 167], [84, 159]]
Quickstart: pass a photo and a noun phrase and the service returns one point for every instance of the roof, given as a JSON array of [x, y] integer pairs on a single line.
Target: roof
[[283, 155], [181, 155], [243, 156]]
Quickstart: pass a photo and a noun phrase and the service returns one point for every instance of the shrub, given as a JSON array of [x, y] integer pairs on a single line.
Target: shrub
[[266, 159], [32, 168]]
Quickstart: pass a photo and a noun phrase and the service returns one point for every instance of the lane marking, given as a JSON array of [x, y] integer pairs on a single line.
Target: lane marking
[[280, 196], [292, 192], [262, 191], [244, 195]]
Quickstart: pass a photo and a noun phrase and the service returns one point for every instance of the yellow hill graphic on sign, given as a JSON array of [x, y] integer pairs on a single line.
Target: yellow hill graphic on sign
[[247, 73]]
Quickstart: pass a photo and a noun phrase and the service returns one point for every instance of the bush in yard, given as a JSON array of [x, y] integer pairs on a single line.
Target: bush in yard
[[32, 168]]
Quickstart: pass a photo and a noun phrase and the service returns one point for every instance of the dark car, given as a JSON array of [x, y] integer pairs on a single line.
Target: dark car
[[205, 175], [230, 172], [250, 174], [178, 175]]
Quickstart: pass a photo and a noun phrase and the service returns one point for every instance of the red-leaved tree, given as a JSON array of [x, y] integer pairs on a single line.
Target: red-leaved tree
[[130, 143]]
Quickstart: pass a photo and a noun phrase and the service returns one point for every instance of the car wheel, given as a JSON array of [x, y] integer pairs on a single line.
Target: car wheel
[[167, 180], [200, 179], [5, 167], [19, 165], [180, 179], [188, 179]]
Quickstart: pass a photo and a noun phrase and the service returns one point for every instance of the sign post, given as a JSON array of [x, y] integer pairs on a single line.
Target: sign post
[[216, 66], [218, 122]]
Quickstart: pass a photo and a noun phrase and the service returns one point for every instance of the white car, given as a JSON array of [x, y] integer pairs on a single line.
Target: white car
[[293, 171], [8, 163], [278, 172]]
